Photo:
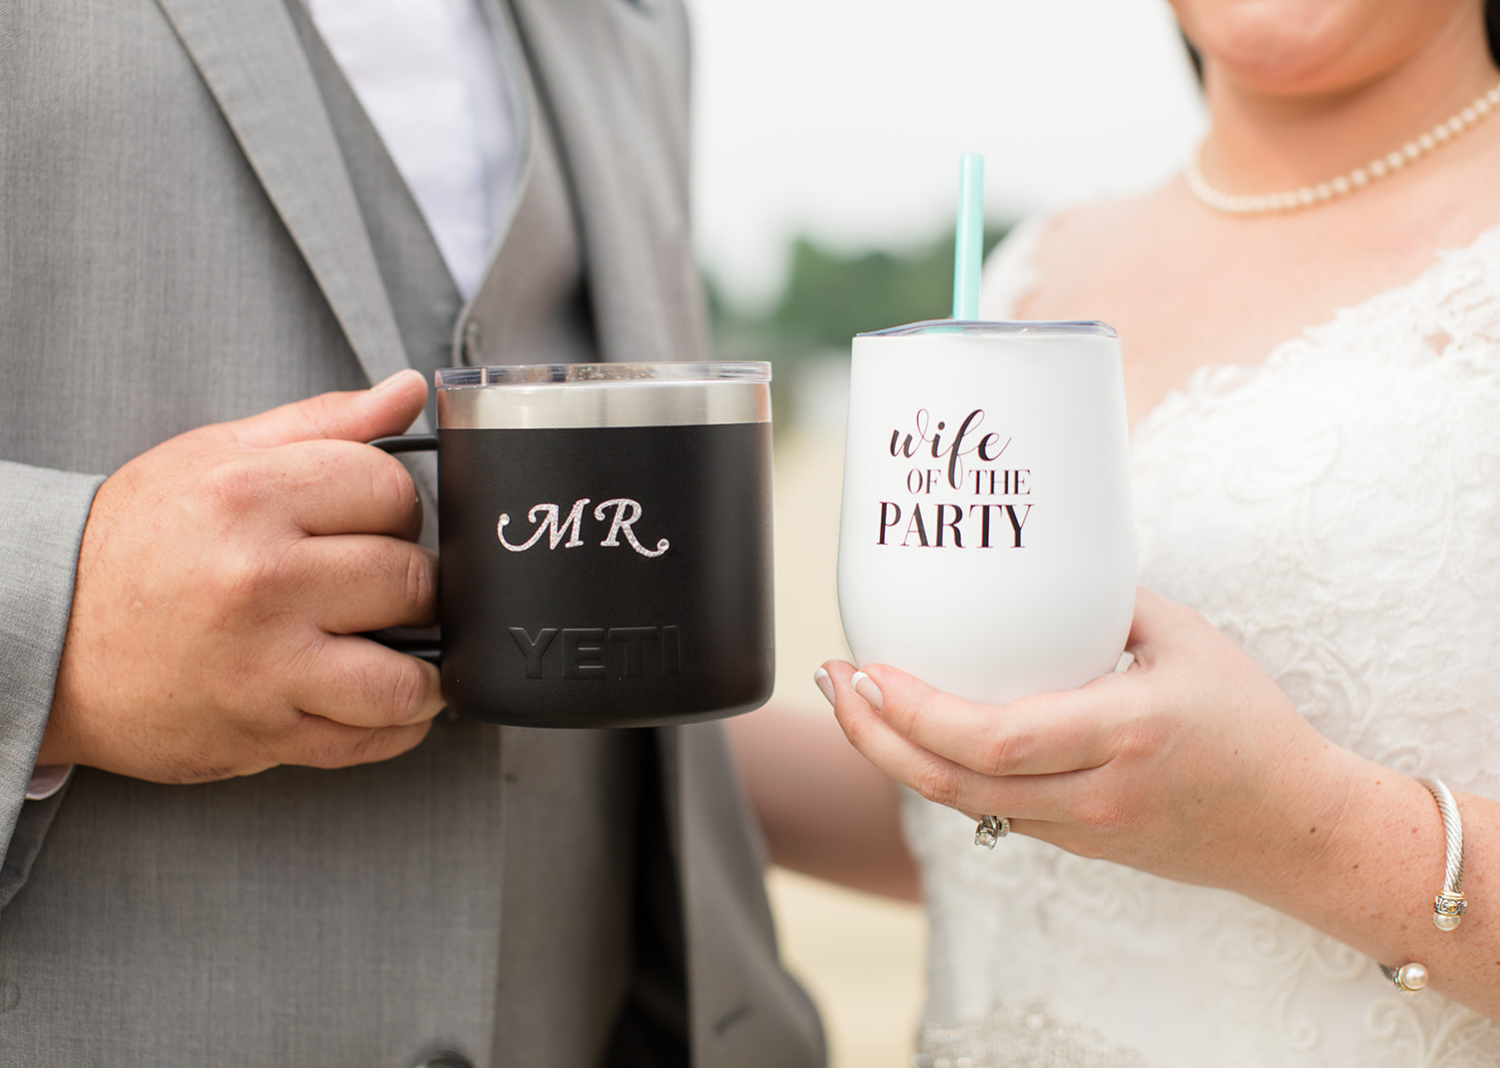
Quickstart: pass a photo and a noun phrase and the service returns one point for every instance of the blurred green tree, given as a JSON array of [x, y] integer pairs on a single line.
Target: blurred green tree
[[830, 296]]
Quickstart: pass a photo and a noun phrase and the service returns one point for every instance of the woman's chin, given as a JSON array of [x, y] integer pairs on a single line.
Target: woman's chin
[[1295, 47]]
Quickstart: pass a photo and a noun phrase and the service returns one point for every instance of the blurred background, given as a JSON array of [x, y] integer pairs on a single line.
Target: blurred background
[[827, 139]]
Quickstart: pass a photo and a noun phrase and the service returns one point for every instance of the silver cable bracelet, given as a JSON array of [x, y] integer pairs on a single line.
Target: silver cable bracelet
[[1449, 905]]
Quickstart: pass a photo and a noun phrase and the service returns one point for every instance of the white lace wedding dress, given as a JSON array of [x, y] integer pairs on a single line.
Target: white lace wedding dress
[[1337, 512]]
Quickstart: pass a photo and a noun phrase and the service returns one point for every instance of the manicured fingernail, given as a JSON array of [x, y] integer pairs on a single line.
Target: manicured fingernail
[[866, 688], [825, 684]]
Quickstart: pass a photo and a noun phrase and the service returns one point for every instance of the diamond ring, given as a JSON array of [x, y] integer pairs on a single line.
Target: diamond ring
[[990, 830]]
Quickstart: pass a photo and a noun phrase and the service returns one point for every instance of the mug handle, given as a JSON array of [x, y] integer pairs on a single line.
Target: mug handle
[[407, 443], [424, 643]]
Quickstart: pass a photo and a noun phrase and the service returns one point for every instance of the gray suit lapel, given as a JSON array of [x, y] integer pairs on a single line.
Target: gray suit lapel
[[252, 61], [612, 74]]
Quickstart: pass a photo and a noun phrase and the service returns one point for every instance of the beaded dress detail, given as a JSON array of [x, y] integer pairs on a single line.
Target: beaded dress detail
[[1336, 511]]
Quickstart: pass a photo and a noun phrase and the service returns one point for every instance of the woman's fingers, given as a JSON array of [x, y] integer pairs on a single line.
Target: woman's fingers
[[1165, 629], [1050, 733], [932, 776], [1055, 760], [1041, 735], [936, 777]]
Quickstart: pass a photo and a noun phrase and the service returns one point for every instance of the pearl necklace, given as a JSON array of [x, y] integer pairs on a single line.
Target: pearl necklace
[[1311, 195]]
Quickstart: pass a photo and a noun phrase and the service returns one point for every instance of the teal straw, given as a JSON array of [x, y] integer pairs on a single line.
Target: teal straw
[[968, 245]]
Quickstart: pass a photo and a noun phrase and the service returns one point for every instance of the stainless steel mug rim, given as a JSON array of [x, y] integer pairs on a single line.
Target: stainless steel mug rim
[[526, 396]]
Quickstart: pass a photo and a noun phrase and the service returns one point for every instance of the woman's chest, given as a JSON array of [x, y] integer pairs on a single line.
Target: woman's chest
[[1182, 299], [1337, 512]]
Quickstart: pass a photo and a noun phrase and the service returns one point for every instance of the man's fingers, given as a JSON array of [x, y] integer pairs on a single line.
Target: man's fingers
[[359, 683], [322, 743], [360, 415], [360, 582], [342, 487]]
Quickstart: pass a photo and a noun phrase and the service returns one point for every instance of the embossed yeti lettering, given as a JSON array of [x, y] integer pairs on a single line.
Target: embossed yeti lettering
[[600, 652]]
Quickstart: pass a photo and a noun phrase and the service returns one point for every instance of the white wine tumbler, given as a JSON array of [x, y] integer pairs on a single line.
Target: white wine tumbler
[[986, 542]]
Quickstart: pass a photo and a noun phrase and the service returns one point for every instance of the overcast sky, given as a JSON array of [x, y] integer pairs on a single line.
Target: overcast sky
[[845, 119]]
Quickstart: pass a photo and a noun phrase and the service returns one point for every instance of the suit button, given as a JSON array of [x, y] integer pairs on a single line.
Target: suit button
[[445, 1060]]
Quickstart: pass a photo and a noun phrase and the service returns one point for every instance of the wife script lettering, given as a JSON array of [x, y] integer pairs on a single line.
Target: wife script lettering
[[969, 465]]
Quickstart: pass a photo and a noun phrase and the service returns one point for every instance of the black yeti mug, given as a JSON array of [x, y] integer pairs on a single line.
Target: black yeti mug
[[604, 541]]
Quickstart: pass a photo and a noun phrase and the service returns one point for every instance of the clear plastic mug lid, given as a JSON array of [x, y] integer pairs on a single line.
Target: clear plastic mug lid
[[563, 395]]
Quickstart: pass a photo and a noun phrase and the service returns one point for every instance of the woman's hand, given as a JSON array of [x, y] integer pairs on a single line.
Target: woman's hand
[[1192, 764]]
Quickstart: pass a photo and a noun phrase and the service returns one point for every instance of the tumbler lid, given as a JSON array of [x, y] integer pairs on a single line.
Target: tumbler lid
[[1017, 328]]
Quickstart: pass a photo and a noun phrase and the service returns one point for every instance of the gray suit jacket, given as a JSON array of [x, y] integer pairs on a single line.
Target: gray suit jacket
[[196, 223]]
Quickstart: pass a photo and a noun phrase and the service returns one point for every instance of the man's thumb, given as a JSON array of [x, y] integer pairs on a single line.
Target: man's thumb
[[387, 408]]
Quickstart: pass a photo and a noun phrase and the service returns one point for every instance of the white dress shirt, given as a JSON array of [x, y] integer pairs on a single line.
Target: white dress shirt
[[429, 77]]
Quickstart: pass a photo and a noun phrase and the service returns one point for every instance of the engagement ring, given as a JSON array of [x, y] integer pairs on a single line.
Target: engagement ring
[[990, 830]]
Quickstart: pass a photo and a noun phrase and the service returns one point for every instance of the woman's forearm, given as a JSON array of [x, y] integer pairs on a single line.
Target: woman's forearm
[[1372, 872], [825, 810]]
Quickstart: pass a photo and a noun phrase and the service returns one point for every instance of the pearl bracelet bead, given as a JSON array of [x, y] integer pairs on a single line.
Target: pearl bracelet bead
[[1409, 977]]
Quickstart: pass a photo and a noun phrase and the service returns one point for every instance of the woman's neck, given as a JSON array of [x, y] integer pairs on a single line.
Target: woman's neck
[[1265, 141]]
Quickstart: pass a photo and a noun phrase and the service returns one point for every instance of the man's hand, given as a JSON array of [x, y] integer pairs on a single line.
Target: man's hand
[[222, 580]]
